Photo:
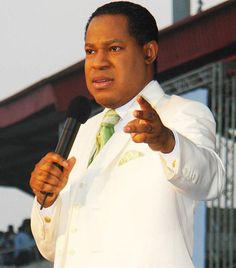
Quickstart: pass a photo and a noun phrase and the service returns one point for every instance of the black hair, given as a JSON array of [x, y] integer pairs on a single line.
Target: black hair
[[141, 24]]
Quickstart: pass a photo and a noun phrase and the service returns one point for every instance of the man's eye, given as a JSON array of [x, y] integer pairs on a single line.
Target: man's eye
[[89, 51], [115, 48]]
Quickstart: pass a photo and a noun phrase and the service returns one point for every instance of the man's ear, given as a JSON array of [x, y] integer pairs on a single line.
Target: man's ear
[[150, 51]]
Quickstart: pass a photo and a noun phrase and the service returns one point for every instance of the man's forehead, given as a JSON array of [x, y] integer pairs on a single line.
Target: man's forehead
[[107, 42], [107, 28]]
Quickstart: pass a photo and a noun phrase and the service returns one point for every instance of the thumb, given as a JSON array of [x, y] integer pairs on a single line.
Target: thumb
[[69, 165]]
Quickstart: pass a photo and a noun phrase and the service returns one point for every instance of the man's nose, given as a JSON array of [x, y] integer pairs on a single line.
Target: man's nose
[[101, 60]]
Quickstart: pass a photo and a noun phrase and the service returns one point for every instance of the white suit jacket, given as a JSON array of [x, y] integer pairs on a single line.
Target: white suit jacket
[[129, 208]]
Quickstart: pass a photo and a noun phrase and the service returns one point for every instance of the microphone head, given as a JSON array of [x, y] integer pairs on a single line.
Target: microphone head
[[79, 109]]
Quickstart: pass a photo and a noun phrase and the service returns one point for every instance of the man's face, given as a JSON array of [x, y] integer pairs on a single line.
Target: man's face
[[115, 67]]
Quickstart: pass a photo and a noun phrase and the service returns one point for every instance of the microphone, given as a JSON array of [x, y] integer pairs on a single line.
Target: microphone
[[78, 113]]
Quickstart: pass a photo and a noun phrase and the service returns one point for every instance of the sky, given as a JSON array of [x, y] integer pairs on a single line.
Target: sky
[[15, 206], [40, 38]]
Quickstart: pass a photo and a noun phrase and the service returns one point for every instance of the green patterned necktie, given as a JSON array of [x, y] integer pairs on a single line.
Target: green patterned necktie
[[106, 130]]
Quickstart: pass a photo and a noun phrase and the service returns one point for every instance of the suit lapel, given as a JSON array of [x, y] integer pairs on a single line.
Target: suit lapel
[[84, 146], [110, 151]]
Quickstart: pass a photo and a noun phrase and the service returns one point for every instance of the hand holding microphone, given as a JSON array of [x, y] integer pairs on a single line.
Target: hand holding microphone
[[51, 174]]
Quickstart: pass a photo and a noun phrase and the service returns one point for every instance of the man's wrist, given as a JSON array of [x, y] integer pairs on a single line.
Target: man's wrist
[[168, 141]]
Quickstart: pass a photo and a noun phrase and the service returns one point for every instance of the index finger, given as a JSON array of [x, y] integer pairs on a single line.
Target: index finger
[[147, 112], [56, 159], [144, 104]]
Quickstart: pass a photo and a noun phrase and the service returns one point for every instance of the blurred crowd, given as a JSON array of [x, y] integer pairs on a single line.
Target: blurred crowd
[[18, 248]]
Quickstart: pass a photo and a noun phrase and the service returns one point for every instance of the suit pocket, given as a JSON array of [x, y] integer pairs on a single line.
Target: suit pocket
[[129, 156], [134, 166]]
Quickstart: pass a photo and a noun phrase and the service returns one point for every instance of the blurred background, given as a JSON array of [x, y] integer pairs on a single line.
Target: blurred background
[[41, 70]]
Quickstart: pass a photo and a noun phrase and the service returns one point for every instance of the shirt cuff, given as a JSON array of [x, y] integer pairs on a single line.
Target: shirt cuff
[[46, 213], [171, 159]]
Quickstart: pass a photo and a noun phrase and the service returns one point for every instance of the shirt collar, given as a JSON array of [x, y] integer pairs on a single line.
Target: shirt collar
[[122, 110]]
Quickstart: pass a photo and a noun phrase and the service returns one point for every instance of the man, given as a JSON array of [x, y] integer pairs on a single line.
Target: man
[[131, 204], [23, 245]]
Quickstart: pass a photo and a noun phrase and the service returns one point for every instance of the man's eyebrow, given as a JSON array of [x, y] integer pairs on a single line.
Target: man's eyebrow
[[108, 42]]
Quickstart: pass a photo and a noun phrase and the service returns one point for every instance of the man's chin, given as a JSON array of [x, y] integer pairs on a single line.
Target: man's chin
[[107, 102]]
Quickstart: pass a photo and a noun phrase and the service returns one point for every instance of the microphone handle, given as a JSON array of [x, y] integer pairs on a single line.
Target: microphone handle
[[67, 137], [64, 145]]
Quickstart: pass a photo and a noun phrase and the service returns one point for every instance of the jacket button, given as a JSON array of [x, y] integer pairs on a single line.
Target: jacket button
[[47, 219]]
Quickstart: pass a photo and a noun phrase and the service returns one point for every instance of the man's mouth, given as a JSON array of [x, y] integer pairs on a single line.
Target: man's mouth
[[102, 82]]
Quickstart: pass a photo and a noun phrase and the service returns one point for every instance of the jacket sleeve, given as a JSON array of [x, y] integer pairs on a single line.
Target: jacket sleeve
[[49, 229], [198, 171], [44, 229]]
